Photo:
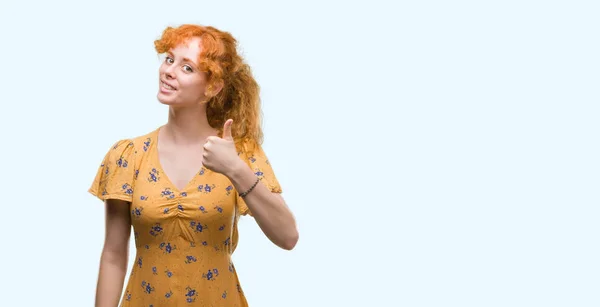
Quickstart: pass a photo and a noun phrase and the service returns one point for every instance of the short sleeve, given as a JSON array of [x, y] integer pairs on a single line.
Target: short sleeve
[[259, 163], [115, 176]]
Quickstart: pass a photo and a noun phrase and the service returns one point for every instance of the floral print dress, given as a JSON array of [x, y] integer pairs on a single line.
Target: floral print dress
[[184, 238]]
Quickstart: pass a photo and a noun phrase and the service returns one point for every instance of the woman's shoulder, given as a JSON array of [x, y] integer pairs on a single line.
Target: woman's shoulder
[[143, 142], [135, 143], [132, 146], [247, 146], [132, 150]]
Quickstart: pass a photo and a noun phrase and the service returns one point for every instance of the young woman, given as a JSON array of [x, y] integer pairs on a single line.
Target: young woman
[[184, 185]]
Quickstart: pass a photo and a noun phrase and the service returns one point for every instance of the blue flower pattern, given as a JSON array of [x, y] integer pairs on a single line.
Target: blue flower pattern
[[178, 231]]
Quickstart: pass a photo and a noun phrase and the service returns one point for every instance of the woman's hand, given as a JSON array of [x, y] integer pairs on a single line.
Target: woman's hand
[[220, 154]]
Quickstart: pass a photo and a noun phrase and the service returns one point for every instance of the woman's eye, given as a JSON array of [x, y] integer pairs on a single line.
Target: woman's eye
[[169, 60], [187, 68]]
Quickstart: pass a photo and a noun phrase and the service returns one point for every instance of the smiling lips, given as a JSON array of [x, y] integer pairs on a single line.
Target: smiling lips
[[166, 86]]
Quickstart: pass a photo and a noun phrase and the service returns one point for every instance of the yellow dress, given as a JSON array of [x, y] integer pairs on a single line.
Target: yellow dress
[[184, 238]]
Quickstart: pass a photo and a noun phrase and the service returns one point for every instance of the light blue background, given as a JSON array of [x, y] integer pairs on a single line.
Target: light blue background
[[435, 153]]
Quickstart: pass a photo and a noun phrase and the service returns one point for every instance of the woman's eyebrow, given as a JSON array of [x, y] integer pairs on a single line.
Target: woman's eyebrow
[[184, 59], [188, 60]]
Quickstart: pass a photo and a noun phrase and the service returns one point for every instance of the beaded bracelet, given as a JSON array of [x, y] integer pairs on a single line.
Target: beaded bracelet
[[250, 189]]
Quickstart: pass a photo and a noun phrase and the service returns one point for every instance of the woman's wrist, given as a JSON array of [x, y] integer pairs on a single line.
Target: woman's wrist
[[236, 170]]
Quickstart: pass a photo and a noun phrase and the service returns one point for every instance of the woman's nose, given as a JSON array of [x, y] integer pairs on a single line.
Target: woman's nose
[[167, 70]]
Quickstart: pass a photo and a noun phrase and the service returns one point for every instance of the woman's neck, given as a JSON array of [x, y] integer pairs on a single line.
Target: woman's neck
[[187, 126]]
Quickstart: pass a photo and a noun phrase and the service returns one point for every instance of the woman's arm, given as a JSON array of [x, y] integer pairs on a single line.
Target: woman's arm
[[113, 262], [268, 209]]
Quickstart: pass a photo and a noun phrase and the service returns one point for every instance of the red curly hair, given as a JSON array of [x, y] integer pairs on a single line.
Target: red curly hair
[[239, 98]]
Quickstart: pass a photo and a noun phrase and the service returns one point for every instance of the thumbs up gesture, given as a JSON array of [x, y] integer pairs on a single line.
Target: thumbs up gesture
[[220, 154]]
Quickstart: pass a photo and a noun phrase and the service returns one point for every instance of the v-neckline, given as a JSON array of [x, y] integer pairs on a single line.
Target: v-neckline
[[166, 176]]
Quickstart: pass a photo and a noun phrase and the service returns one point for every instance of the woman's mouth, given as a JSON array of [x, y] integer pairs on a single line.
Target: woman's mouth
[[166, 86]]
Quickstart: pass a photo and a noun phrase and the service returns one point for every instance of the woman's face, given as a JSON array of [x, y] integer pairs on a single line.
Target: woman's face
[[181, 81]]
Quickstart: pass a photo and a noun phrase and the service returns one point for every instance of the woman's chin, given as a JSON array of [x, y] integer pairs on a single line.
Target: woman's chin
[[163, 99]]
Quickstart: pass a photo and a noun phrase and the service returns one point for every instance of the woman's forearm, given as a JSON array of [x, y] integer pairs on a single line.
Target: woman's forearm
[[268, 209], [113, 267]]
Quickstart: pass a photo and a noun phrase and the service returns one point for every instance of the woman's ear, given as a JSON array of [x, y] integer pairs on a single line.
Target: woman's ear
[[215, 88]]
